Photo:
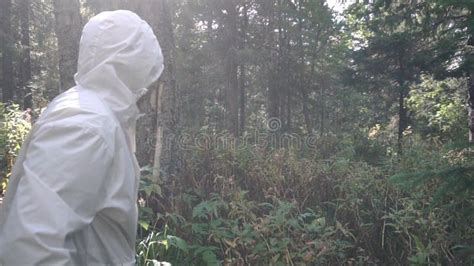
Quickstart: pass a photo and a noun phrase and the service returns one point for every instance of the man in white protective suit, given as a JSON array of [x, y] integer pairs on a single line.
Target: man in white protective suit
[[71, 199]]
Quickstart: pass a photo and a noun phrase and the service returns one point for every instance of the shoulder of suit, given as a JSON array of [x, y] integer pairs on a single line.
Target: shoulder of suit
[[75, 107]]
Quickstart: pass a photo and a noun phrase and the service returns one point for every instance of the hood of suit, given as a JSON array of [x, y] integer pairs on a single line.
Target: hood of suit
[[119, 57]]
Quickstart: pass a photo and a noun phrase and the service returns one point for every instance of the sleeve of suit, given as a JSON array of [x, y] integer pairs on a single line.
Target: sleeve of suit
[[60, 192]]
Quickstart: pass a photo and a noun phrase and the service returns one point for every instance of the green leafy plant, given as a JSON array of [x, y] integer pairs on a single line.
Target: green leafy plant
[[14, 127]]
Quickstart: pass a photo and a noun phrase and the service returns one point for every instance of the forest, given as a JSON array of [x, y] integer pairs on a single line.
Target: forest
[[281, 132]]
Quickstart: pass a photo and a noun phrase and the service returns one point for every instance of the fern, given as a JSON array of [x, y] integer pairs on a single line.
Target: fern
[[457, 181]]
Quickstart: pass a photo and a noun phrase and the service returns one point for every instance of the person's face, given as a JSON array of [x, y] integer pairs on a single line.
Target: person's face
[[148, 101]]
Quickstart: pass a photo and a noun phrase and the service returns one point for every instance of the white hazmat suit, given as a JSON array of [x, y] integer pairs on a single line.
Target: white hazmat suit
[[71, 199]]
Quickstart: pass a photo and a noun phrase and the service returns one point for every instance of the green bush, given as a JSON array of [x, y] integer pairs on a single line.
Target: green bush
[[14, 127], [275, 207]]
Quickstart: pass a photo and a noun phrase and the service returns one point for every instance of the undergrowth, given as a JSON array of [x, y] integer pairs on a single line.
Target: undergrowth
[[353, 201], [14, 127], [254, 206]]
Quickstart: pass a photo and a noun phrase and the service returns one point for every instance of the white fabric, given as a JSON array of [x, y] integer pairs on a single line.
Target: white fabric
[[72, 195]]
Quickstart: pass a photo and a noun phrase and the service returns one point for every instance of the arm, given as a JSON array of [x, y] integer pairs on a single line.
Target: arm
[[60, 191]]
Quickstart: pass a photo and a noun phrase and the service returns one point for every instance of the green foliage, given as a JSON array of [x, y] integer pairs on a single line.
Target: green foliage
[[17, 125], [353, 199], [439, 106], [14, 127], [155, 244], [248, 206], [458, 181]]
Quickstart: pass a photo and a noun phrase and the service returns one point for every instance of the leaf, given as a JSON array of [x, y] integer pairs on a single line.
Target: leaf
[[147, 210], [201, 210], [209, 258], [232, 244], [165, 243], [157, 189], [344, 230], [177, 242], [145, 225]]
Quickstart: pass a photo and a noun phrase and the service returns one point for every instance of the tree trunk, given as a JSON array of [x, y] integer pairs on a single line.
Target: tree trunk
[[243, 99], [288, 105], [158, 136], [6, 42], [169, 112], [402, 120], [160, 123], [68, 28], [274, 86], [232, 95], [273, 108], [242, 79], [471, 107], [105, 5], [231, 67], [322, 97], [470, 64], [25, 65], [302, 82], [288, 85], [402, 112], [307, 119]]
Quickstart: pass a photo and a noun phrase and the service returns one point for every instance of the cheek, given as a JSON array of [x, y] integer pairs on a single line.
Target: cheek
[[147, 102]]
